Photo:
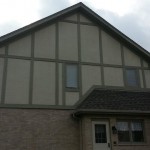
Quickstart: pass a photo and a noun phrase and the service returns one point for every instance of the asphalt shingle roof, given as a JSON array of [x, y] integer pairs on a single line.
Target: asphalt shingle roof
[[116, 100]]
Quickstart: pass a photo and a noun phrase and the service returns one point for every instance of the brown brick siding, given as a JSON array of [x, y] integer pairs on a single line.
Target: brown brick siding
[[38, 129], [44, 129], [87, 133]]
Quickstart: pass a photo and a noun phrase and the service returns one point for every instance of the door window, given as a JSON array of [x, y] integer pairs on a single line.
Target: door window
[[100, 133]]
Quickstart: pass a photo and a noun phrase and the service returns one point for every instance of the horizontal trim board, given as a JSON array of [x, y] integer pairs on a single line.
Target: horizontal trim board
[[36, 106], [69, 61]]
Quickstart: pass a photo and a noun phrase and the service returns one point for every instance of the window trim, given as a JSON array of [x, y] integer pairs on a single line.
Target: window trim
[[75, 89], [137, 75], [129, 121]]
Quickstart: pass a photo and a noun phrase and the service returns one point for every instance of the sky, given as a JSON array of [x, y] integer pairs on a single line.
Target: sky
[[132, 17]]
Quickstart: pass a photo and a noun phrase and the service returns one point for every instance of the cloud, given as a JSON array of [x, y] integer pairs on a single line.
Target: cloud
[[131, 18], [49, 7], [8, 27], [133, 25]]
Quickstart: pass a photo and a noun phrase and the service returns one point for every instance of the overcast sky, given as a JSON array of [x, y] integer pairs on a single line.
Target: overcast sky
[[132, 17]]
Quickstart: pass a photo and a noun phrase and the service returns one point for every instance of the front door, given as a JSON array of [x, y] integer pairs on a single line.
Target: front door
[[101, 136]]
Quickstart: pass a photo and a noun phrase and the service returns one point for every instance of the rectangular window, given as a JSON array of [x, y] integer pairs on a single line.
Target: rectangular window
[[72, 76], [100, 133], [130, 131], [123, 131], [137, 132], [132, 78]]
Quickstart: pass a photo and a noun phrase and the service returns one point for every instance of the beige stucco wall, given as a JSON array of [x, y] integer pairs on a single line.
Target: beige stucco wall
[[84, 19], [60, 79], [145, 63], [147, 78], [91, 75], [72, 98], [79, 43], [71, 18], [20, 47], [44, 83], [113, 76], [2, 50], [141, 79], [1, 74], [17, 85], [90, 51], [68, 46], [44, 44], [111, 50], [130, 58]]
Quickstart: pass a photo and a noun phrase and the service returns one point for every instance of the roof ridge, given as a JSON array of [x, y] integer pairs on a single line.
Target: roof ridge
[[90, 13]]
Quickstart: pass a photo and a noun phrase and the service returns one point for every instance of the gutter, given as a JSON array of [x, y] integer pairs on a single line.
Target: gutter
[[80, 112]]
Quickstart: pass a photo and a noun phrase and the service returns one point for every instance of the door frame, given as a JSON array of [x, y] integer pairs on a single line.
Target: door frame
[[101, 121]]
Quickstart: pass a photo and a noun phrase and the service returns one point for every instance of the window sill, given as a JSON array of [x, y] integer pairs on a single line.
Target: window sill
[[132, 144], [71, 89]]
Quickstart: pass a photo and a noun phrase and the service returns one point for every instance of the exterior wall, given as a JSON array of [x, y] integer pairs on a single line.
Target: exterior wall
[[37, 62], [69, 50], [32, 74], [20, 47], [130, 58], [2, 50], [91, 75], [84, 19], [71, 17], [34, 129], [17, 84], [90, 44], [147, 76], [87, 138], [112, 78], [44, 82], [111, 51], [45, 42], [1, 75]]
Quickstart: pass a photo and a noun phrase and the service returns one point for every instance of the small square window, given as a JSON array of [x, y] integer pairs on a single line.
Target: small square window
[[72, 76], [132, 78]]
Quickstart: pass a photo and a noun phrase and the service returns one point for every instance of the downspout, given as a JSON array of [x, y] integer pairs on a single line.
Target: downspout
[[80, 129]]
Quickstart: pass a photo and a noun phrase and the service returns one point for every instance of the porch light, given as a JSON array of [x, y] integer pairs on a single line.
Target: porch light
[[114, 130]]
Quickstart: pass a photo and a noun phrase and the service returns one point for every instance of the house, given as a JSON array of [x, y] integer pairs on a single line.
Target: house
[[72, 81]]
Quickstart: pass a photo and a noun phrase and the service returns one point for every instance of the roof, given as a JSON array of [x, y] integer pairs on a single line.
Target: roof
[[114, 100], [88, 12]]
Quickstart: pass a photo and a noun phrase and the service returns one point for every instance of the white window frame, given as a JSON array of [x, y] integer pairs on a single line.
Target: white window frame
[[76, 77], [129, 122], [136, 78]]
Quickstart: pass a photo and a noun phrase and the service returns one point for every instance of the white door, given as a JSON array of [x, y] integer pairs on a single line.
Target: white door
[[101, 136]]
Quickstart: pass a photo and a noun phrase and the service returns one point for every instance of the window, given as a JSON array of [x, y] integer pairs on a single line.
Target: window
[[100, 133], [123, 131], [132, 77], [71, 76], [130, 131]]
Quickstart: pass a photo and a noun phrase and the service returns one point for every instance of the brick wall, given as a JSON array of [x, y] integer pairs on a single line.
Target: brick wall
[[87, 133], [38, 129], [44, 129]]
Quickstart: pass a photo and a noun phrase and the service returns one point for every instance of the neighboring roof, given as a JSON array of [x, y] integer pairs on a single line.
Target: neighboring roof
[[111, 101], [88, 12]]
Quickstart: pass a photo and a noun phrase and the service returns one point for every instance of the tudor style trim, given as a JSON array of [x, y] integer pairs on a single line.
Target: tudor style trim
[[85, 10]]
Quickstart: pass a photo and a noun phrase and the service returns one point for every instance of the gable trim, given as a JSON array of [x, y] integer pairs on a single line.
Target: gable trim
[[87, 11]]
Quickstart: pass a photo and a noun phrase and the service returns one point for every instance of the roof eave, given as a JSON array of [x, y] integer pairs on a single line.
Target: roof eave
[[80, 112], [40, 23], [125, 39], [83, 8]]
